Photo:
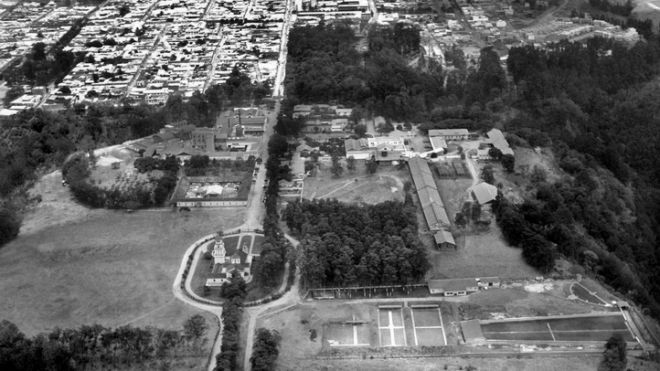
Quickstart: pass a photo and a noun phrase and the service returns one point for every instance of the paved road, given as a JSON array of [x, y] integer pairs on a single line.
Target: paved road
[[181, 295], [291, 298]]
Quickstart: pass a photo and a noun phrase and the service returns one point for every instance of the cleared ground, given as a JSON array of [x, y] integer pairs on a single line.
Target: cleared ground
[[596, 328], [357, 186], [108, 267]]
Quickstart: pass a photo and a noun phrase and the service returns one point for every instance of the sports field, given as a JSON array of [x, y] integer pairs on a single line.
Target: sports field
[[391, 330], [591, 328], [427, 326]]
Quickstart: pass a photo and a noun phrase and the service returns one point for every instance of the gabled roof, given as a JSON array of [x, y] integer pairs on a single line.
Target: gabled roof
[[452, 284], [484, 192], [443, 236], [496, 137]]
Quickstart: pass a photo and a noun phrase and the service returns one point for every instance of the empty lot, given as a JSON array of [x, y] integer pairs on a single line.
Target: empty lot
[[357, 186]]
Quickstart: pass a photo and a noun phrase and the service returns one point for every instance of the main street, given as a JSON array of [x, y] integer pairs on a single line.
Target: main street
[[254, 218]]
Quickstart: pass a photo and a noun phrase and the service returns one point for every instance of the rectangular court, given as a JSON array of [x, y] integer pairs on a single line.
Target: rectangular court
[[391, 329], [347, 334], [427, 324], [588, 328]]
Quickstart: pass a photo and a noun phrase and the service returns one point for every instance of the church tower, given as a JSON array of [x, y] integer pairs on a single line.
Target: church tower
[[219, 251]]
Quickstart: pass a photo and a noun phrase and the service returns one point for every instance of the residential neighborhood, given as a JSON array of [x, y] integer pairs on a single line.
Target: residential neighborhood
[[265, 185]]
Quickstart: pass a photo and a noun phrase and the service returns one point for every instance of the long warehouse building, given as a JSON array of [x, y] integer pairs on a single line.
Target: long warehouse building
[[432, 206]]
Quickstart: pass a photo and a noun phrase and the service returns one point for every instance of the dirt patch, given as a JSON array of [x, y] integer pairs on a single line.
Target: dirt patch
[[108, 268], [357, 186]]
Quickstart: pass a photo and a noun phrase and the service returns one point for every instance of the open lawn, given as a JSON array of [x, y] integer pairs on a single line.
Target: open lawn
[[109, 267], [517, 302], [480, 254], [357, 186], [453, 193]]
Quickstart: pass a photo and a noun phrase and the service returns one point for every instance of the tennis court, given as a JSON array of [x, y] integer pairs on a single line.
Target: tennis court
[[391, 330], [588, 328], [427, 326], [347, 334]]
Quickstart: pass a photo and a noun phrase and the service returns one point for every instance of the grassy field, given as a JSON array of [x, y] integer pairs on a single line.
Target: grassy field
[[358, 185], [107, 267], [597, 328], [479, 255]]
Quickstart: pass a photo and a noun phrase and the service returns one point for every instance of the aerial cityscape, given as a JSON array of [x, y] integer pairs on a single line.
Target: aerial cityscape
[[330, 185]]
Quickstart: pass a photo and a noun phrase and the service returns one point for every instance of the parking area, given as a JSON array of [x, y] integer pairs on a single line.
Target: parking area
[[391, 329], [427, 324], [588, 328]]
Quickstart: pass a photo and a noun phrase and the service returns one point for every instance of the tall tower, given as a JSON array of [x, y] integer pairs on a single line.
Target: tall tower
[[219, 251]]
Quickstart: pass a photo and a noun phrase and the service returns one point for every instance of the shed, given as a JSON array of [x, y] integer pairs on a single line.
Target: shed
[[443, 238]]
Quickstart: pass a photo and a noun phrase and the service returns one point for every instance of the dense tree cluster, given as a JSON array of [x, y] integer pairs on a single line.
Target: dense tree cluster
[[41, 66], [77, 170], [275, 247], [403, 37], [265, 350], [9, 225], [345, 245], [614, 356], [199, 165], [98, 347], [612, 6], [323, 65], [592, 103], [234, 293]]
